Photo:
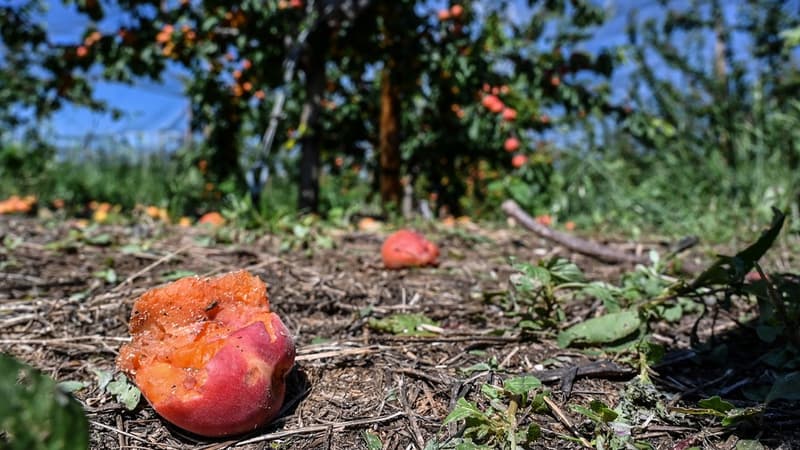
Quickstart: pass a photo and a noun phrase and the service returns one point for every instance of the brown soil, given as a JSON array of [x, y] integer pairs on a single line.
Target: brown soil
[[350, 379]]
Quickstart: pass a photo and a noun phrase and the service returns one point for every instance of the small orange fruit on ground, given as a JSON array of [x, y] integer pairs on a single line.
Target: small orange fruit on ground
[[208, 354], [545, 220], [17, 204], [212, 218], [369, 224], [406, 248]]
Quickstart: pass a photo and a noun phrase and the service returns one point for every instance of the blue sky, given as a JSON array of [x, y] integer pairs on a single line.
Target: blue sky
[[152, 108]]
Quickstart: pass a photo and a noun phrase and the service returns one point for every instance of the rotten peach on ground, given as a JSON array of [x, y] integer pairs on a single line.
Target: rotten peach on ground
[[406, 248], [209, 355]]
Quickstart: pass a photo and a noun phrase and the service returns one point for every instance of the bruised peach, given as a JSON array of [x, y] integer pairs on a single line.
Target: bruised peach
[[208, 354], [406, 248]]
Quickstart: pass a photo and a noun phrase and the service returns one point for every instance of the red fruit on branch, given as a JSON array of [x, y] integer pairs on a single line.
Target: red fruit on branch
[[511, 144], [492, 103]]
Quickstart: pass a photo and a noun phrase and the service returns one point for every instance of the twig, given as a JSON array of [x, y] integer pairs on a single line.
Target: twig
[[565, 420], [476, 339], [320, 428], [401, 394], [63, 340], [121, 438], [130, 435], [569, 241], [151, 266], [335, 353]]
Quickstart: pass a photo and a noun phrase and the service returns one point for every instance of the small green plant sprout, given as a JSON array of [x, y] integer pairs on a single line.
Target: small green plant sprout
[[372, 441], [611, 430], [303, 233], [534, 292], [505, 423]]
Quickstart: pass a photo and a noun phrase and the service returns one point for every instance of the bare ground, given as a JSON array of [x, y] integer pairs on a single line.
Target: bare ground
[[59, 316]]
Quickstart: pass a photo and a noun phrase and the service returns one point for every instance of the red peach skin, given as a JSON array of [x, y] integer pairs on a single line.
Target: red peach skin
[[245, 385], [406, 248]]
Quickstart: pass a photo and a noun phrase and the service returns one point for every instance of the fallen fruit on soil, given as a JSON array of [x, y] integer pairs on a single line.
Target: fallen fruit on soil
[[208, 354], [406, 248], [213, 218]]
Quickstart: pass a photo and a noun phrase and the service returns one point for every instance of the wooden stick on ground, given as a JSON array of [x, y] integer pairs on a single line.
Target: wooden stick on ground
[[569, 241]]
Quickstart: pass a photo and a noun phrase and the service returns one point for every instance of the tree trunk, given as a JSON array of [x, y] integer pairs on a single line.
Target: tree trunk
[[389, 144], [721, 68], [308, 200], [224, 137]]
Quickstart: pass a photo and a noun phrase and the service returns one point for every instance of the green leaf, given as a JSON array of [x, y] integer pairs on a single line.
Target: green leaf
[[586, 412], [533, 432], [605, 413], [787, 387], [126, 393], [672, 313], [300, 231], [746, 444], [35, 413], [565, 271], [176, 275], [372, 441], [103, 378], [491, 391], [463, 410], [403, 324], [522, 385], [716, 403], [737, 415], [131, 248], [601, 330], [479, 367], [728, 269], [107, 275], [101, 239], [606, 293], [72, 386]]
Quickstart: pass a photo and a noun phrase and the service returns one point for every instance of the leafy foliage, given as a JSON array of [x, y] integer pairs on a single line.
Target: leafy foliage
[[403, 324], [36, 413], [498, 425]]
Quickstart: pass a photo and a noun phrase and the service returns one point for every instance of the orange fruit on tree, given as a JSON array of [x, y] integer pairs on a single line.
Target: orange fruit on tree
[[511, 144], [518, 161]]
